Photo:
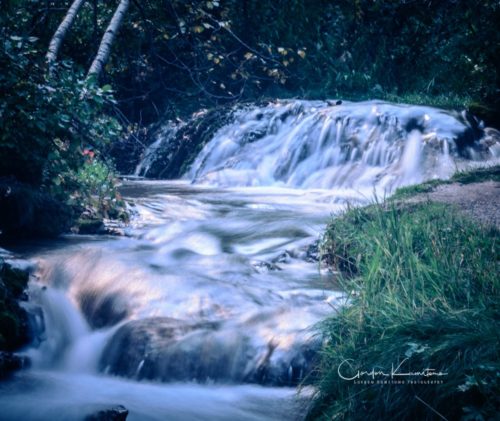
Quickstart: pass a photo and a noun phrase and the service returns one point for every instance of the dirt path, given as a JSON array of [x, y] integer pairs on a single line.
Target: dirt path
[[481, 201]]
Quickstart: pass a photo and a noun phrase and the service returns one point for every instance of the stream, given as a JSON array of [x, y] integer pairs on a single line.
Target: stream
[[207, 308]]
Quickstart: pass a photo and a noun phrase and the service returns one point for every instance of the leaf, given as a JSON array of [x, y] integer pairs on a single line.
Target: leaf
[[301, 53], [107, 88], [65, 118]]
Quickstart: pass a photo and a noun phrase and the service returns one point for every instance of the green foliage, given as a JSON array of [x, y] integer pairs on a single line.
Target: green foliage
[[179, 56], [478, 175], [409, 191], [46, 123], [423, 285], [97, 190]]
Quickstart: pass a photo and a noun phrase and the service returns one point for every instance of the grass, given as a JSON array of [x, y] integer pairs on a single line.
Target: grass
[[449, 101], [423, 284], [477, 175]]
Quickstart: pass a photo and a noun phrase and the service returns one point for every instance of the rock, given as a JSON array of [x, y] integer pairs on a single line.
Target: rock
[[312, 252], [103, 308], [11, 362], [164, 349], [136, 347], [27, 212], [175, 146], [263, 266], [127, 151], [14, 323], [90, 226], [116, 413]]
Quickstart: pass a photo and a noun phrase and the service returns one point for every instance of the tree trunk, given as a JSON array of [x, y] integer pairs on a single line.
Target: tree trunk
[[62, 30], [107, 40]]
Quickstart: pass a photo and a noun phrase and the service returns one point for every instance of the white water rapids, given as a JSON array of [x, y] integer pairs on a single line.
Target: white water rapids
[[207, 308]]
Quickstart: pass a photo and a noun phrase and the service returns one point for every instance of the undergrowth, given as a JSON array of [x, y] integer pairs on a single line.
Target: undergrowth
[[423, 292]]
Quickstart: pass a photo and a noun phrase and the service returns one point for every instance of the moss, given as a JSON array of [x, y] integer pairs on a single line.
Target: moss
[[478, 175], [27, 212], [90, 226], [14, 332], [409, 191], [16, 279]]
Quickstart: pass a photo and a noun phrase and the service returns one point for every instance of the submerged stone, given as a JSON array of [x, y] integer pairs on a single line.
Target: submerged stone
[[10, 363], [168, 350], [116, 413]]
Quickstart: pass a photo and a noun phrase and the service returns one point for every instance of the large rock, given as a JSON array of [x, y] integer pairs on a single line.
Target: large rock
[[116, 413], [10, 362], [175, 145], [14, 323], [165, 349], [26, 212]]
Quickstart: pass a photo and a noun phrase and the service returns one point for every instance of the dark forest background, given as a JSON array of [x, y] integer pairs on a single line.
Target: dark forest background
[[171, 58]]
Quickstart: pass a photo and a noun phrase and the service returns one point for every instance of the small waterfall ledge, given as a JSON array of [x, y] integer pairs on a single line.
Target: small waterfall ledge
[[321, 145]]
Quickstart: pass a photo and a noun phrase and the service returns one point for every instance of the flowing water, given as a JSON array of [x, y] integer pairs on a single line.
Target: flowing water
[[207, 308]]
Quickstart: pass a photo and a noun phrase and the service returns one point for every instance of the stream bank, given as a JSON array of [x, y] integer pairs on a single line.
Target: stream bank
[[422, 269]]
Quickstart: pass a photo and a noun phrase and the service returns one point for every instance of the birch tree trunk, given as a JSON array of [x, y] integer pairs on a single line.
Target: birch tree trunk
[[107, 40], [62, 30]]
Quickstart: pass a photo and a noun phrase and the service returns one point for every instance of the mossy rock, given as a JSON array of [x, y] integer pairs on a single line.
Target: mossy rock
[[27, 212], [90, 226], [14, 326], [488, 112], [10, 363], [15, 279]]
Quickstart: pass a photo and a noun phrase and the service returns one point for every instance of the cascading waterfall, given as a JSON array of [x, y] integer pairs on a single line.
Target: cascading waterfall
[[216, 288], [318, 145], [322, 145]]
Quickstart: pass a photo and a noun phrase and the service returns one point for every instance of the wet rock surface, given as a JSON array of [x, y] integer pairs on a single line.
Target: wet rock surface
[[167, 350], [177, 144], [116, 413], [14, 321], [9, 363], [26, 212]]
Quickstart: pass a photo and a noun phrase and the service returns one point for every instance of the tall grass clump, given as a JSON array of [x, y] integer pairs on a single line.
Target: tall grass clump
[[424, 293]]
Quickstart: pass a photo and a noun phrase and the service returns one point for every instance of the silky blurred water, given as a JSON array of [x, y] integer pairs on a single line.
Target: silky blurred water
[[215, 286]]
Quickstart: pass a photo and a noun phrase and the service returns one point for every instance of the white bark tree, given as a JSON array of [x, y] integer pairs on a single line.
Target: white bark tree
[[60, 34], [108, 38]]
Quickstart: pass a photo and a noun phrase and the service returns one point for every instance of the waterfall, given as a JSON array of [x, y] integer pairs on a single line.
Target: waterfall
[[67, 342], [321, 145], [215, 295]]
